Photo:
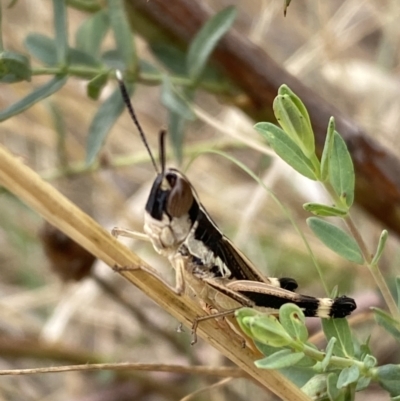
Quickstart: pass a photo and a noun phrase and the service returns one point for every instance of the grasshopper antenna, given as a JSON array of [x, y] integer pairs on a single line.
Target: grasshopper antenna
[[162, 150], [127, 101]]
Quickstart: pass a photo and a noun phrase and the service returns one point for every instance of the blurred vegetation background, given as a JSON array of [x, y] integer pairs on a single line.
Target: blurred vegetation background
[[346, 51]]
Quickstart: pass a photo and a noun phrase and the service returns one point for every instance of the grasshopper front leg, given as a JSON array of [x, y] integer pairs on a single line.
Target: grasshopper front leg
[[123, 232], [179, 265]]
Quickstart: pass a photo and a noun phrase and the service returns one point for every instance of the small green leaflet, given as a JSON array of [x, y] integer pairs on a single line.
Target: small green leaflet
[[104, 119], [336, 239], [37, 95], [286, 149], [324, 210], [340, 330], [281, 359], [206, 40], [341, 170]]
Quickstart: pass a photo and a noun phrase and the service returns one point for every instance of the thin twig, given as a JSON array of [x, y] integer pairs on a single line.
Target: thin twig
[[195, 370], [208, 388]]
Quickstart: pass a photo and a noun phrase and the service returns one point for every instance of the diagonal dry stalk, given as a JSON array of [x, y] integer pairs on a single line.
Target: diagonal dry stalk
[[59, 211]]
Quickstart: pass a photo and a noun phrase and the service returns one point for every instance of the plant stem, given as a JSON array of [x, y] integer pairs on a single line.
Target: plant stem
[[373, 268]]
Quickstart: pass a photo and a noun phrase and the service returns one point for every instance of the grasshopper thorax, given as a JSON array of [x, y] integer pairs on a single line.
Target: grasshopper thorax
[[171, 210]]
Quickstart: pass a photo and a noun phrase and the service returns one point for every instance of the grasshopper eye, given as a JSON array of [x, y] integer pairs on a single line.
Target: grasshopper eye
[[180, 198]]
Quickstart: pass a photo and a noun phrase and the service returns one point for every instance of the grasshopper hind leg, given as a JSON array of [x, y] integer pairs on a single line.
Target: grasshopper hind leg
[[212, 314]]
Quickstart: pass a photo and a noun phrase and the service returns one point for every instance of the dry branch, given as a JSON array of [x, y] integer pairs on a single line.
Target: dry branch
[[60, 212]]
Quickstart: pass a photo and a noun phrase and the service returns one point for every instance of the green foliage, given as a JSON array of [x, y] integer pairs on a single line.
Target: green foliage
[[380, 248], [340, 330], [284, 343], [392, 326], [341, 171], [61, 32], [123, 36], [287, 149], [294, 119], [205, 42], [61, 60], [388, 377], [105, 118], [345, 369], [14, 67], [336, 239], [91, 33], [35, 96]]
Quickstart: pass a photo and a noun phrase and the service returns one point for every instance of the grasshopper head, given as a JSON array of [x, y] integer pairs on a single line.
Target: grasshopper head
[[171, 194], [171, 210]]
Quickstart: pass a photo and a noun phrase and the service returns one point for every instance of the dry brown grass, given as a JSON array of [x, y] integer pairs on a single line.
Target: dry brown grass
[[347, 51]]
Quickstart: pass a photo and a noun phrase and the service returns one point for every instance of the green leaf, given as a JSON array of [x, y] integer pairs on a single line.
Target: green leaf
[[333, 391], [90, 6], [60, 25], [293, 117], [78, 57], [37, 95], [340, 330], [388, 376], [336, 239], [91, 33], [148, 68], [176, 126], [206, 40], [324, 210], [298, 375], [60, 129], [328, 353], [113, 60], [281, 359], [174, 59], [380, 248], [123, 35], [242, 316], [341, 170], [369, 361], [286, 149], [327, 151], [42, 47], [268, 330], [176, 129], [316, 388], [14, 67], [105, 118], [174, 102], [96, 85], [364, 349], [362, 383], [170, 56], [348, 375], [398, 291], [387, 322], [293, 320]]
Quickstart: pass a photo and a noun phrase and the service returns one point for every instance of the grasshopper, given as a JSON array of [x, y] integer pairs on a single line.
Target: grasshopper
[[206, 262]]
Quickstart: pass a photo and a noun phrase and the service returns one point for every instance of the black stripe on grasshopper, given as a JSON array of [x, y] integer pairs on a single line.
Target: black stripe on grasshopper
[[312, 307]]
